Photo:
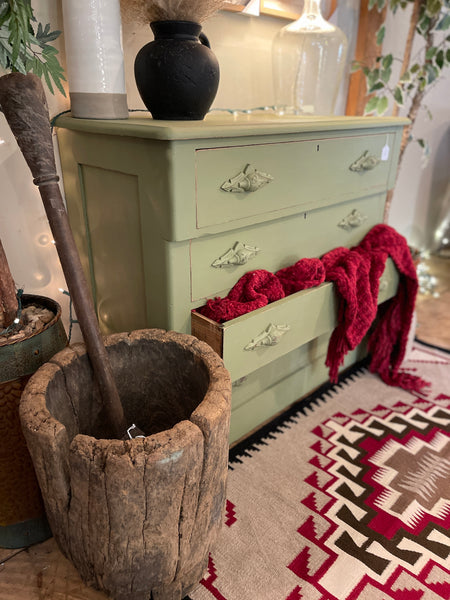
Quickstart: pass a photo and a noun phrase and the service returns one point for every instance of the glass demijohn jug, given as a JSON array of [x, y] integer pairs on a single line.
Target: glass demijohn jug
[[308, 63]]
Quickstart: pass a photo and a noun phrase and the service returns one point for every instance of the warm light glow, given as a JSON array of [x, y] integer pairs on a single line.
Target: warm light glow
[[43, 239]]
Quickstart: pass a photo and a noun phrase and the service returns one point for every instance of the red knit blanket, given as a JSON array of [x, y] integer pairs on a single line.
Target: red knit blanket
[[356, 275]]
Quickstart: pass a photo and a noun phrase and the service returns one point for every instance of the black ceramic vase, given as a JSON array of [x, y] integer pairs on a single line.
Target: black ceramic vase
[[177, 74]]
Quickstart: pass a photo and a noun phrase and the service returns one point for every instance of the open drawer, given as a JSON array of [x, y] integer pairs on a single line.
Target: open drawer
[[259, 337]]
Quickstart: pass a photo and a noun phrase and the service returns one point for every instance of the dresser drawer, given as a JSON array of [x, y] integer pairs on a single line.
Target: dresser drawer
[[217, 262], [257, 338], [238, 182]]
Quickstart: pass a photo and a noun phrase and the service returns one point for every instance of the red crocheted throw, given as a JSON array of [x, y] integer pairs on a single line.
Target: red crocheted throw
[[356, 275]]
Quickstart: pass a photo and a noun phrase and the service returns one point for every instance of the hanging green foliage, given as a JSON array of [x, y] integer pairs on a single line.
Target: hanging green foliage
[[423, 70], [25, 44]]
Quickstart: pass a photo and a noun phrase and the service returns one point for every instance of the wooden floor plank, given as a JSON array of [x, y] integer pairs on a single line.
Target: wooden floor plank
[[42, 573]]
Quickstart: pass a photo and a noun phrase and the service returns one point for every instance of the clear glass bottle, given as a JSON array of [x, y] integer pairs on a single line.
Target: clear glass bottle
[[308, 63]]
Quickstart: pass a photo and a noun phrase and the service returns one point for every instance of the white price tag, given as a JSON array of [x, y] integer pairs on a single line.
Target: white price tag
[[385, 152]]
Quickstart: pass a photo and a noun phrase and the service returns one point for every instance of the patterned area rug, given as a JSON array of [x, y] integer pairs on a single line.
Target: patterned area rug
[[344, 497]]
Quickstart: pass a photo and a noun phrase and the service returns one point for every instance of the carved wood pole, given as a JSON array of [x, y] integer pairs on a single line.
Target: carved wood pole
[[8, 299], [23, 102]]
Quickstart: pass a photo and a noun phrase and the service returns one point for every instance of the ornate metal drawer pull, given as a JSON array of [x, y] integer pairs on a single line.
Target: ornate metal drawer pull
[[247, 180], [366, 162], [239, 254], [240, 381], [269, 337], [352, 220]]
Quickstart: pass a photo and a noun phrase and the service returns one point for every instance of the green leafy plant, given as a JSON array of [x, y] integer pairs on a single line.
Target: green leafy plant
[[25, 44], [25, 47], [429, 19]]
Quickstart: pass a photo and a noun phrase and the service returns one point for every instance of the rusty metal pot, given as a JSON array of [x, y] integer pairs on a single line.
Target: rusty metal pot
[[22, 516]]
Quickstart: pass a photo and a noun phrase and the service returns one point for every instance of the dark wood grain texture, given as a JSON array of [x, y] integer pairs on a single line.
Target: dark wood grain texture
[[8, 298], [23, 103]]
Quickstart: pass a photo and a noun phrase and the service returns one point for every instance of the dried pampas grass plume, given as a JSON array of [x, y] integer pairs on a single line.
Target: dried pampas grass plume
[[133, 11], [146, 11]]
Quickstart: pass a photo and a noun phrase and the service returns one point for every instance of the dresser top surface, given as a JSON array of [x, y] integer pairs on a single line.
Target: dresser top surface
[[223, 124]]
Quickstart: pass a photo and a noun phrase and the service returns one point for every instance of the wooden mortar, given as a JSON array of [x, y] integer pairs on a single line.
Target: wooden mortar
[[137, 518]]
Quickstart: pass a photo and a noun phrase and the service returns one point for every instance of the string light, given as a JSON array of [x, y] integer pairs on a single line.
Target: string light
[[43, 239], [427, 281]]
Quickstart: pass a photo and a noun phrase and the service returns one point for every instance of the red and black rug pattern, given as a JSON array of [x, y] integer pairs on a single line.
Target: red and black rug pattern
[[379, 504], [361, 512]]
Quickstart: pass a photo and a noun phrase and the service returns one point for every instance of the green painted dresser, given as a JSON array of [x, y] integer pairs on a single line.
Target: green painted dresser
[[168, 214]]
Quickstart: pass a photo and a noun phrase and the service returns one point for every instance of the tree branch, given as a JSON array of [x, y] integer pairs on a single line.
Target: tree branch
[[409, 43], [418, 96], [8, 298]]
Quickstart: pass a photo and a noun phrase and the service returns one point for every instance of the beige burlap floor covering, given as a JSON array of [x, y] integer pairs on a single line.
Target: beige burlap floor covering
[[346, 498]]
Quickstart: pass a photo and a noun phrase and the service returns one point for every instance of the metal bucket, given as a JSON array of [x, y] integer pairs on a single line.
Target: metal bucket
[[22, 516]]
